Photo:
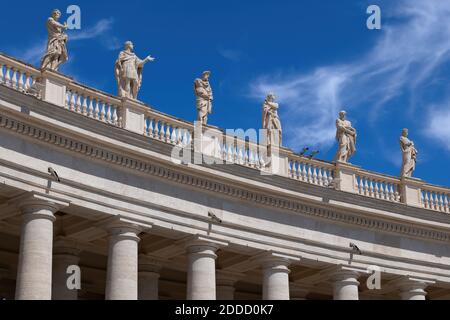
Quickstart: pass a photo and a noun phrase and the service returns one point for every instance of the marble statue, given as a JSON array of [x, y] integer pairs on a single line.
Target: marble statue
[[409, 155], [271, 122], [56, 52], [128, 71], [204, 97], [346, 137]]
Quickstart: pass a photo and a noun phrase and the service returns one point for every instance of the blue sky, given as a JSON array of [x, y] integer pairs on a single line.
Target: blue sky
[[318, 57]]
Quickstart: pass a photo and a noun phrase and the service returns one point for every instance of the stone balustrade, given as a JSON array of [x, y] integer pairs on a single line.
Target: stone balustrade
[[93, 104], [435, 198], [135, 116], [167, 129], [378, 186], [17, 75], [310, 170]]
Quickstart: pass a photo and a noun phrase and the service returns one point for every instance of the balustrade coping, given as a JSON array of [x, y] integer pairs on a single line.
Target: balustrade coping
[[149, 111]]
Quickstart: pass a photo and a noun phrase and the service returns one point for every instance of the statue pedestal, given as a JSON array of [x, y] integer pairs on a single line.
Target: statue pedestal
[[54, 87], [133, 115], [345, 176], [411, 189]]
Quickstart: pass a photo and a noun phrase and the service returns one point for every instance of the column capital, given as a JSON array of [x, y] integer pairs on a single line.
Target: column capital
[[204, 245], [411, 287], [150, 264], [273, 260], [39, 205], [123, 228], [345, 273]]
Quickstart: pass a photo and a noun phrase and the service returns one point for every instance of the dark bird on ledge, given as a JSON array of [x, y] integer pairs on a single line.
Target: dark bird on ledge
[[313, 154], [53, 174], [214, 217], [304, 151], [355, 248]]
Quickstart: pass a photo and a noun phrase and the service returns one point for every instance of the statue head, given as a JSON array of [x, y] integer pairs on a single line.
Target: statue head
[[56, 14], [205, 75], [342, 115], [270, 97], [129, 45], [405, 132]]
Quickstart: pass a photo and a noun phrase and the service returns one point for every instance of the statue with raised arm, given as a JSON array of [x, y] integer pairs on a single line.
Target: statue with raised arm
[[409, 155], [56, 52], [271, 122], [204, 97], [128, 72], [346, 137]]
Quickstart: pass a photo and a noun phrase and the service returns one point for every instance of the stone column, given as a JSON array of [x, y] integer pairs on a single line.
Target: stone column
[[122, 269], [345, 284], [225, 284], [201, 279], [34, 272], [65, 254], [275, 278], [413, 289], [149, 269]]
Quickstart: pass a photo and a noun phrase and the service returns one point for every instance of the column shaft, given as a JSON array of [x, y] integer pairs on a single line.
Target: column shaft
[[345, 285], [275, 279], [122, 273], [34, 273]]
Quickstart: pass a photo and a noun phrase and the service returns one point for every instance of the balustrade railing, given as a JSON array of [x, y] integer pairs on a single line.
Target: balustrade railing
[[310, 170], [93, 104], [17, 75], [157, 125], [435, 198], [377, 186]]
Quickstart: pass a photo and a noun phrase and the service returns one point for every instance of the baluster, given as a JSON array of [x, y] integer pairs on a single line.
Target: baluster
[[325, 177], [26, 85], [2, 75], [330, 176], [314, 171], [84, 106], [229, 154], [180, 137], [102, 111], [108, 113], [78, 104], [446, 204], [173, 136], [162, 130], [156, 132], [371, 188], [167, 136], [377, 189], [90, 111], [426, 200], [309, 173], [7, 75], [186, 138], [291, 168], [68, 96], [20, 84], [150, 127], [14, 78], [72, 101], [319, 176]]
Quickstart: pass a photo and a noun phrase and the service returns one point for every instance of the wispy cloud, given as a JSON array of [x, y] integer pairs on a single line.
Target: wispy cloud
[[100, 30], [409, 51], [230, 54], [439, 125]]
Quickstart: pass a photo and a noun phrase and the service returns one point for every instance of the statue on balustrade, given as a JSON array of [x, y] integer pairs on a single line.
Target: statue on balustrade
[[346, 137], [204, 97], [128, 71], [271, 122], [56, 53], [409, 155]]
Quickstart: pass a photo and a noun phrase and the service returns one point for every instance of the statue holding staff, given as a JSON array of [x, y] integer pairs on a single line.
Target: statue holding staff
[[128, 71], [56, 52], [409, 155], [346, 137]]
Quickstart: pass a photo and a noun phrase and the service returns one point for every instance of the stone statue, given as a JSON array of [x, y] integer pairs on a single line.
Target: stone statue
[[409, 155], [346, 137], [204, 97], [271, 122], [56, 53], [128, 72]]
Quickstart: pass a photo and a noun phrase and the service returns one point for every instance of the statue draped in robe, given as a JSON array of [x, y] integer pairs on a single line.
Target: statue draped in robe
[[346, 137], [128, 72], [409, 155], [56, 52], [271, 121], [204, 97]]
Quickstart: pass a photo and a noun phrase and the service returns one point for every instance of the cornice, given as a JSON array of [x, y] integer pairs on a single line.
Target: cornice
[[178, 176]]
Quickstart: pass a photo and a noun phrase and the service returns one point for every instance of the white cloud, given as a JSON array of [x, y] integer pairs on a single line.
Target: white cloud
[[402, 60], [230, 54], [99, 29], [439, 126]]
